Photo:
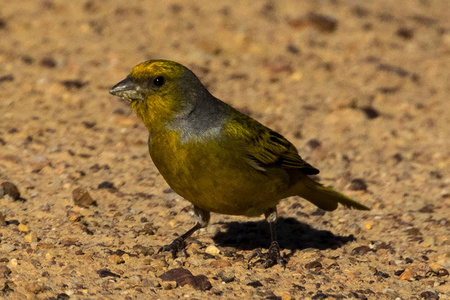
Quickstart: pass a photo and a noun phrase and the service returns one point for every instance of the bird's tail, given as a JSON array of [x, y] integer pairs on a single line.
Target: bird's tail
[[324, 197]]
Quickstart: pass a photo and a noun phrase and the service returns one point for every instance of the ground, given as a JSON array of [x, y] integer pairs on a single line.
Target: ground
[[361, 88]]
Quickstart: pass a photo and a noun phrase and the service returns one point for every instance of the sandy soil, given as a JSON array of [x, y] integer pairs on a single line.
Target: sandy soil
[[360, 87]]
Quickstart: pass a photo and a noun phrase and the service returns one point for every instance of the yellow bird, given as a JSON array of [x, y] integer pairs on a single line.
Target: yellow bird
[[216, 157]]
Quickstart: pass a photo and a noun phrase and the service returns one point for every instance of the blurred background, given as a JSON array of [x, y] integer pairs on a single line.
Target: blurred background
[[361, 88]]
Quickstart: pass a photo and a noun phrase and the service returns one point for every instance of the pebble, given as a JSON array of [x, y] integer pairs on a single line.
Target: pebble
[[407, 275], [358, 184], [391, 292], [183, 276], [35, 288], [31, 237], [220, 263], [213, 250], [434, 267], [9, 191], [313, 265], [39, 162], [115, 259], [2, 220], [196, 263], [22, 228], [13, 262], [81, 197], [8, 247], [226, 276], [4, 271]]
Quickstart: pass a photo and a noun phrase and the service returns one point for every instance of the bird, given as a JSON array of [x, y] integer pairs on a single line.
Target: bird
[[217, 158]]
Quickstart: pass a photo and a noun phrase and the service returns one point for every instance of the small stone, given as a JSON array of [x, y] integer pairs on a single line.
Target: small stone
[[148, 229], [428, 208], [313, 144], [35, 288], [81, 197], [391, 292], [39, 162], [434, 267], [22, 228], [213, 250], [255, 284], [407, 275], [184, 276], [4, 271], [74, 216], [46, 246], [429, 295], [220, 263], [226, 276], [10, 190], [313, 265], [361, 250], [405, 33], [2, 220], [13, 262], [358, 184], [442, 272], [106, 273], [31, 238], [370, 112], [67, 242], [8, 247], [115, 259], [323, 23]]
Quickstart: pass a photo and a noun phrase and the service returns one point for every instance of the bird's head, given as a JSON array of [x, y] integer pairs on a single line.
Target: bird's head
[[160, 90]]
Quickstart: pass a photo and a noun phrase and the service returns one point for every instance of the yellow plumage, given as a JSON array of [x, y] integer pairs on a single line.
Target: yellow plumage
[[217, 158]]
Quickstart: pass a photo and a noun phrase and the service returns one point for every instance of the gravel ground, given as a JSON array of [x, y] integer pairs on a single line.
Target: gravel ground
[[360, 87]]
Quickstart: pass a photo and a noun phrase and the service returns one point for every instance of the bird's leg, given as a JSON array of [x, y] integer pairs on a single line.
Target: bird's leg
[[273, 256], [179, 244]]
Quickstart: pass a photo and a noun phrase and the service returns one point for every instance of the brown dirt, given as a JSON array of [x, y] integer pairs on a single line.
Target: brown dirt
[[360, 87]]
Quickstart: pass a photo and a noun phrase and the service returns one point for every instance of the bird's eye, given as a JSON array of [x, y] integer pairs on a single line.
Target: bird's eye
[[159, 81]]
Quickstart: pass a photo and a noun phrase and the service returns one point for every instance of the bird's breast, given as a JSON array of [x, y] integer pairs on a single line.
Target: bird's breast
[[214, 177]]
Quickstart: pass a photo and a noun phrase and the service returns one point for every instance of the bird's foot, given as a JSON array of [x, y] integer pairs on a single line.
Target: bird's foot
[[272, 257], [177, 246]]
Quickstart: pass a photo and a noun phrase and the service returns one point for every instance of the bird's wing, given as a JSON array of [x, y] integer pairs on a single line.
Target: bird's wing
[[264, 148]]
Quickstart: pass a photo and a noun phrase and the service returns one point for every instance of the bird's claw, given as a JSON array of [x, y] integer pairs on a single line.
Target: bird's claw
[[178, 245], [272, 257]]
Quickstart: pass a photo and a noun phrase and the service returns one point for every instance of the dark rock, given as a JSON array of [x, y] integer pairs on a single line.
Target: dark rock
[[81, 197], [313, 144], [226, 276], [405, 33], [107, 273], [184, 276], [4, 271], [255, 284], [358, 184], [8, 77], [361, 250], [48, 62], [8, 188], [370, 112], [313, 265]]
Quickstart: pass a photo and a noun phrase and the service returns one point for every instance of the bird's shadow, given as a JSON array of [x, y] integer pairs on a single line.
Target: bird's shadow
[[291, 234]]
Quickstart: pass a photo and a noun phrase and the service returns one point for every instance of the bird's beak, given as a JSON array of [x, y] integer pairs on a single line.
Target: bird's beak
[[127, 89]]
